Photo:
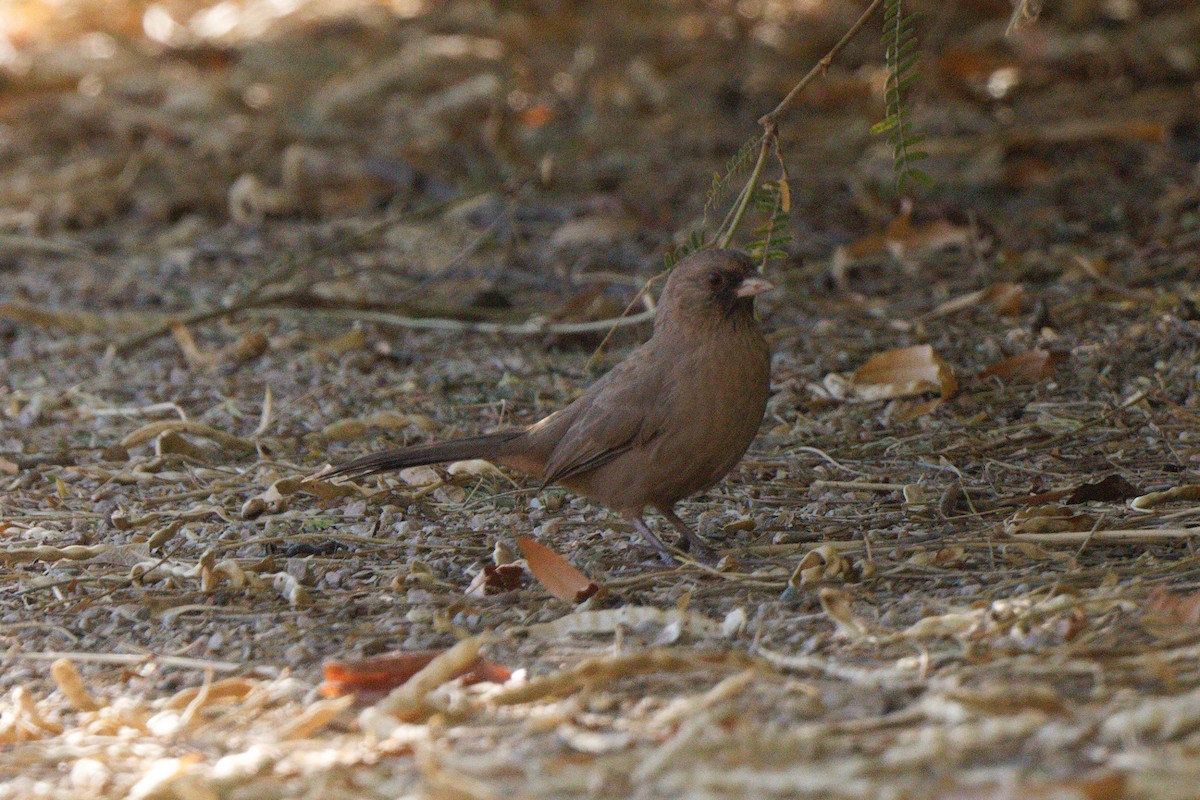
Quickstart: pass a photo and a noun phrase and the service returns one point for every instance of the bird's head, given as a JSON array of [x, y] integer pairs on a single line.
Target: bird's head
[[711, 287]]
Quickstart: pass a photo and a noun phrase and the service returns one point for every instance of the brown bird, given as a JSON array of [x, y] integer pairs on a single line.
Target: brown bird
[[667, 422]]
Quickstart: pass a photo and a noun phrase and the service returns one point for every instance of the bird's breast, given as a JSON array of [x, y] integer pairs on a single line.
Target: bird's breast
[[718, 396]]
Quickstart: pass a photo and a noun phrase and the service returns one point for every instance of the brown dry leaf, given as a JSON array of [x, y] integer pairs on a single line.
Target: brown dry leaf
[[1189, 492], [1035, 552], [1110, 489], [820, 563], [930, 237], [901, 239], [251, 345], [1004, 698], [1173, 607], [152, 430], [474, 467], [1006, 298], [70, 683], [556, 574], [170, 442], [836, 605], [1074, 131], [229, 689], [274, 499], [1103, 786], [971, 69], [353, 339], [392, 419], [905, 372], [1034, 365], [1048, 519], [369, 678], [195, 357], [344, 430], [351, 428], [313, 718], [494, 579], [944, 625], [8, 467], [74, 321]]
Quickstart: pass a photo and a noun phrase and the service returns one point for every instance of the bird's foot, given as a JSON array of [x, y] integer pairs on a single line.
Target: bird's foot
[[697, 548], [689, 541], [663, 551]]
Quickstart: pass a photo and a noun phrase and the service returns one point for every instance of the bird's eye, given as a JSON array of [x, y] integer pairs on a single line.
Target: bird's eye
[[715, 279]]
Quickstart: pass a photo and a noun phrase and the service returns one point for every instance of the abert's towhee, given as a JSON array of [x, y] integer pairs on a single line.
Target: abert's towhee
[[669, 421]]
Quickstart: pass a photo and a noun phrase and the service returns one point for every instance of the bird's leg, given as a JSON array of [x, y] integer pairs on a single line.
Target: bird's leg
[[663, 552], [691, 540]]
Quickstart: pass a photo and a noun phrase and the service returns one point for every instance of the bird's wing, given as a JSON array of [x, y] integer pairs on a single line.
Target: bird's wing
[[621, 411]]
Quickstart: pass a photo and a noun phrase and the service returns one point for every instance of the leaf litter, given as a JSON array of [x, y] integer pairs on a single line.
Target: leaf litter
[[301, 264]]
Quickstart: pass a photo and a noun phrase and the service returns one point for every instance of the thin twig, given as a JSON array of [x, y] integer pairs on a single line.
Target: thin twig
[[624, 316], [532, 327], [820, 68], [179, 662]]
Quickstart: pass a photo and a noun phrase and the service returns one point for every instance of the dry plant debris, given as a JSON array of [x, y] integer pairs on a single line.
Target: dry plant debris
[[959, 562]]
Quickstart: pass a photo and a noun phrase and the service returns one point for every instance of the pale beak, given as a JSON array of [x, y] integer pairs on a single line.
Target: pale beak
[[753, 286]]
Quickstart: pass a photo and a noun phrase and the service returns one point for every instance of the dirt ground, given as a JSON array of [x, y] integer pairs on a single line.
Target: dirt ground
[[242, 241]]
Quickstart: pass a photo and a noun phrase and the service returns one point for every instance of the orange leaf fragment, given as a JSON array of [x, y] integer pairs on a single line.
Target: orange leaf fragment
[[1099, 786], [905, 372], [556, 574], [537, 116], [368, 678], [1007, 298], [1173, 607], [1035, 365]]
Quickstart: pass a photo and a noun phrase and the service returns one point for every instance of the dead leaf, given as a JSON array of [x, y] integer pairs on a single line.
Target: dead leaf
[[1101, 786], [151, 431], [1173, 607], [192, 353], [944, 625], [71, 684], [1048, 519], [251, 345], [1006, 298], [368, 678], [313, 718], [905, 372], [472, 468], [494, 579], [1035, 365], [1003, 699], [1110, 489], [344, 430], [1189, 492], [836, 605], [820, 563], [902, 240], [556, 574]]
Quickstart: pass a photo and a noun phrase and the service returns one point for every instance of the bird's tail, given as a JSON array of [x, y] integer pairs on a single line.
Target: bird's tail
[[489, 446]]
